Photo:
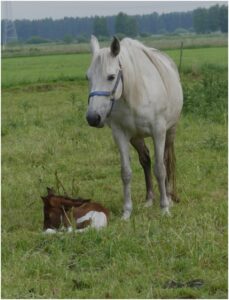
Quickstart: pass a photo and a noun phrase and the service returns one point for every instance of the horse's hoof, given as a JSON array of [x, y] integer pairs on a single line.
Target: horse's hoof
[[165, 211], [126, 215], [148, 203]]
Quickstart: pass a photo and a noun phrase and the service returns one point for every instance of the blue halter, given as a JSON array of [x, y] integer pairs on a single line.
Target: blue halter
[[108, 94]]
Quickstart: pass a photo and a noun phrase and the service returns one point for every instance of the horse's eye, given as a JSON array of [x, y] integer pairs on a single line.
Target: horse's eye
[[110, 77]]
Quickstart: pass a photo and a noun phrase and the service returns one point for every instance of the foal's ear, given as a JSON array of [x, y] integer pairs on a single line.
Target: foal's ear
[[94, 45], [43, 198], [74, 202], [50, 191], [115, 46]]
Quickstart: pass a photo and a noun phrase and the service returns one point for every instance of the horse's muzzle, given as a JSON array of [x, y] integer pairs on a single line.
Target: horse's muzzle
[[93, 119]]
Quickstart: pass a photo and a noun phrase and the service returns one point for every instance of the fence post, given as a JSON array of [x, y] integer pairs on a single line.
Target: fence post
[[181, 55]]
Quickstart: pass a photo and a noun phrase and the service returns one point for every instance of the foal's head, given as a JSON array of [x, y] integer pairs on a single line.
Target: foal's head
[[56, 207], [104, 76]]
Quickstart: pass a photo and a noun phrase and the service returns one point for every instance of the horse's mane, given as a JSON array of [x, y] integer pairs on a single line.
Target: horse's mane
[[133, 51], [157, 57]]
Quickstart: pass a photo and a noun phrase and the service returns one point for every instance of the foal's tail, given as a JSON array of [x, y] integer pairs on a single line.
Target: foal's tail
[[170, 164]]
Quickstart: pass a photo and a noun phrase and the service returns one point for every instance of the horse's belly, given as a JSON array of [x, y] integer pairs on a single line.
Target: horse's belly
[[152, 111], [141, 127]]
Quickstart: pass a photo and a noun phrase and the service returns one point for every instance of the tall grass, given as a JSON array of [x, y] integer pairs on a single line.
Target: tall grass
[[207, 96]]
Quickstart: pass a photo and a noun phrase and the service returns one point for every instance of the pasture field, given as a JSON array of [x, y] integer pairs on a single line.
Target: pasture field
[[156, 41], [72, 67], [44, 100]]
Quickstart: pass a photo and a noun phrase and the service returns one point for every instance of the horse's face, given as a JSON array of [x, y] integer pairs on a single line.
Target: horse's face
[[55, 209], [52, 216], [103, 77]]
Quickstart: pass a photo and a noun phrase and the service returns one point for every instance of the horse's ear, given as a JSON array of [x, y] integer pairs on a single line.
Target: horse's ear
[[50, 191], [80, 201], [43, 198], [94, 45], [68, 203], [115, 46]]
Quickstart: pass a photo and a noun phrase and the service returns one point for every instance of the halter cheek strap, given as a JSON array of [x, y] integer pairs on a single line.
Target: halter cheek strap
[[108, 94]]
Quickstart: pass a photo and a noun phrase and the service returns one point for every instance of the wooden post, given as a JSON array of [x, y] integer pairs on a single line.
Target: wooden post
[[181, 55]]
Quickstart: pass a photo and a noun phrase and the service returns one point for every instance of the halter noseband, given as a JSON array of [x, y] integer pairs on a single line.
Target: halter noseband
[[109, 94]]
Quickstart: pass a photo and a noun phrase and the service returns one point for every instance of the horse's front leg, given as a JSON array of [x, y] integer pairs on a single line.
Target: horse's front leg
[[123, 144]]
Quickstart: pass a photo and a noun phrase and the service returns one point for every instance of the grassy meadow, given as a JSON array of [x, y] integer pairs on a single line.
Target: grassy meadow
[[157, 41], [44, 131]]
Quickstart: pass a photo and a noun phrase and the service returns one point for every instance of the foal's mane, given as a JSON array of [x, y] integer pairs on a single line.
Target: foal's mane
[[51, 195]]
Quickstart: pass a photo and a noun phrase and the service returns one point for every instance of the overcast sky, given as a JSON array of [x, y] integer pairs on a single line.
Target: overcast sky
[[60, 9]]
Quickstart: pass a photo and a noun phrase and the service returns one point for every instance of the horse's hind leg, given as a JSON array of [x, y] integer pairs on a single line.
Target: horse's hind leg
[[170, 164], [144, 159], [159, 136]]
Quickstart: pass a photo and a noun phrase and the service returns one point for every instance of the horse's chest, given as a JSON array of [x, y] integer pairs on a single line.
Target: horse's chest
[[133, 123]]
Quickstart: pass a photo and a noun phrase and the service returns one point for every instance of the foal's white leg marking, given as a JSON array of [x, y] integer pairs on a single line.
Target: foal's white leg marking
[[69, 229], [50, 231], [85, 217], [98, 219], [83, 229], [159, 169], [123, 143]]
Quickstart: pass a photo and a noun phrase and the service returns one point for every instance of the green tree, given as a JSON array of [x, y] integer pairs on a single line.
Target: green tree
[[223, 18], [100, 26], [200, 20], [68, 39], [120, 22], [213, 18], [126, 25], [37, 40]]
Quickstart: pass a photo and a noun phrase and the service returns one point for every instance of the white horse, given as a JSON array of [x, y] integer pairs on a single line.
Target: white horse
[[137, 92]]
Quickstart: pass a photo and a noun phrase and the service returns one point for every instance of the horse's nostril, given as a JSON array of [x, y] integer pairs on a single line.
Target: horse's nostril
[[98, 119], [93, 119]]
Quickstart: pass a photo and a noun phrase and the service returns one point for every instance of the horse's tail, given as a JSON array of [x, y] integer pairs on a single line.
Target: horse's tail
[[170, 164]]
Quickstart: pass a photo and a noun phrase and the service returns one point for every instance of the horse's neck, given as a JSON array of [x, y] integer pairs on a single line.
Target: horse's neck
[[128, 73]]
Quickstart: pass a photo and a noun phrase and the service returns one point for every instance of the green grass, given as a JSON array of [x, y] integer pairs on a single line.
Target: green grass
[[44, 130], [56, 68], [155, 41], [43, 69], [195, 58], [190, 41]]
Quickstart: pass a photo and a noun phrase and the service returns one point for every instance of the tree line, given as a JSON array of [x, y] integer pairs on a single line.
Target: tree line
[[200, 20], [209, 20]]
